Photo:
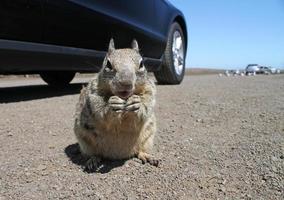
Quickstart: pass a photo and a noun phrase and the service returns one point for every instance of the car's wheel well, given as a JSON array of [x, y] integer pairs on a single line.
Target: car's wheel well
[[181, 22]]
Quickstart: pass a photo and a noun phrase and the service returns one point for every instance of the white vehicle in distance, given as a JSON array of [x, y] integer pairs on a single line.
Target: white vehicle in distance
[[252, 69], [267, 70], [264, 70], [273, 70]]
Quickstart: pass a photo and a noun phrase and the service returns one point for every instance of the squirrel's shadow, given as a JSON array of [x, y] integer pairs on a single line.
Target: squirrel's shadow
[[74, 154]]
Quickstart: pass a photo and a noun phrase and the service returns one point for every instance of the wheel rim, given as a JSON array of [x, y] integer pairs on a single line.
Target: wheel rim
[[178, 52]]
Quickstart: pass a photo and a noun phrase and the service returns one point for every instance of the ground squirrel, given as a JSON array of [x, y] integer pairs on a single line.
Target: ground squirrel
[[115, 113]]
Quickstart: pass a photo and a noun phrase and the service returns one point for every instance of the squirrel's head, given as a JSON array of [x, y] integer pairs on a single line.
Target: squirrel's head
[[123, 71]]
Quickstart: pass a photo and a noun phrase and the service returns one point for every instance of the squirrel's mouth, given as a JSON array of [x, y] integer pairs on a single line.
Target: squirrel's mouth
[[124, 94]]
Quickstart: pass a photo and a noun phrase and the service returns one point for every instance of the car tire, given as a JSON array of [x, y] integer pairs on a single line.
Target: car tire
[[55, 78], [173, 64]]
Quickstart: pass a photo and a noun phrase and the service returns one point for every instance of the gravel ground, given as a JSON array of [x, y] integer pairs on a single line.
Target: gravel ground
[[218, 138]]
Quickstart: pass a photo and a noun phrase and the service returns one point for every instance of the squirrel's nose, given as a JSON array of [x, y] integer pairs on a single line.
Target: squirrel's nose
[[126, 84], [126, 79]]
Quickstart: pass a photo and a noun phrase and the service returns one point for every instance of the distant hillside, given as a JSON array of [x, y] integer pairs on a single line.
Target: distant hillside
[[202, 71]]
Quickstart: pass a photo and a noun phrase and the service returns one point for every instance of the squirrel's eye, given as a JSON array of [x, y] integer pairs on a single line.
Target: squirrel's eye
[[141, 65], [108, 66]]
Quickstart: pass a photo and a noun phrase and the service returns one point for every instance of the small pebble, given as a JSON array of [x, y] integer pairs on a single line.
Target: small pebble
[[199, 120], [41, 167], [27, 174]]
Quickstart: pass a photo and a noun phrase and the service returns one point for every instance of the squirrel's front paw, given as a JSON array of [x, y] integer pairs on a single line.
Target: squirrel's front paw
[[147, 158], [133, 103], [116, 104]]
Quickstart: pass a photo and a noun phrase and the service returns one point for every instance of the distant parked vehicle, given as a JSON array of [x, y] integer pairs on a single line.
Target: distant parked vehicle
[[264, 70], [233, 72], [268, 70], [252, 69], [273, 70], [236, 72]]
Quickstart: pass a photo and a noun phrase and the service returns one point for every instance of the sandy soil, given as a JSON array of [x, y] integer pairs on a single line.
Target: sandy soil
[[218, 138]]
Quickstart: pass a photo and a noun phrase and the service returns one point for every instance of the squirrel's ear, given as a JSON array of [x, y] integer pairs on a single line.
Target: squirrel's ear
[[111, 46], [134, 45]]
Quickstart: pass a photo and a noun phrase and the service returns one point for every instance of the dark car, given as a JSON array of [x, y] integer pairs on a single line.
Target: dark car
[[56, 39]]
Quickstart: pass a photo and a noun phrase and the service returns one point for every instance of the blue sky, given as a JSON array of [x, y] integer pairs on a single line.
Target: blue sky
[[233, 33]]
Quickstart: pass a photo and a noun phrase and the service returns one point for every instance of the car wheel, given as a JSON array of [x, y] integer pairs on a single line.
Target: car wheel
[[173, 65], [57, 78]]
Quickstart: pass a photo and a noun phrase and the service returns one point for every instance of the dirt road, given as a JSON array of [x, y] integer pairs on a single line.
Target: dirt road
[[218, 138]]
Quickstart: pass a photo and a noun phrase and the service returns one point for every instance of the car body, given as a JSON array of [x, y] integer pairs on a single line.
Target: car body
[[52, 36], [264, 70], [233, 72], [268, 70], [252, 69], [272, 70]]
